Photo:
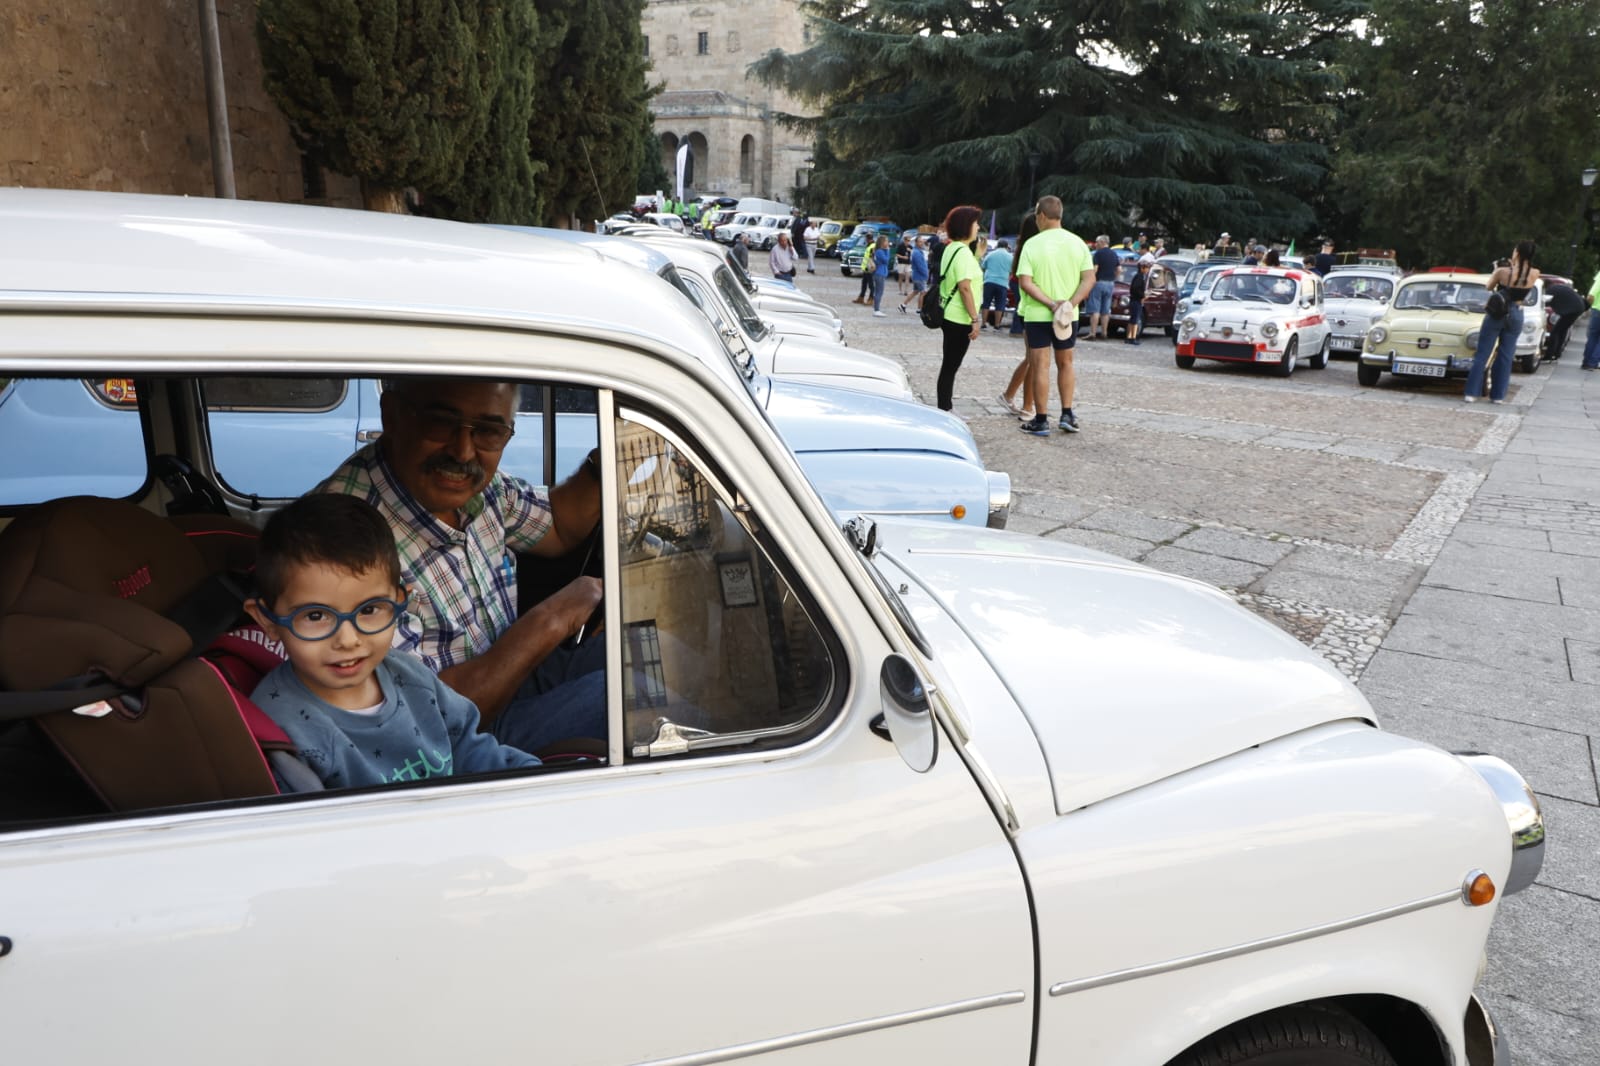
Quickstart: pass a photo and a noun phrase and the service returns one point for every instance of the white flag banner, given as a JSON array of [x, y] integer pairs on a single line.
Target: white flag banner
[[683, 163]]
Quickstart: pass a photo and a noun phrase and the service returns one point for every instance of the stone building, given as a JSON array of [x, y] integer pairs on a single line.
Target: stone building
[[108, 94], [701, 50]]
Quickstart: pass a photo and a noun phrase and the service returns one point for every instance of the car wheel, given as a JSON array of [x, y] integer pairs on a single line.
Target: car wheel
[[1185, 362], [1172, 331], [1291, 354], [1320, 360], [1368, 375], [1530, 360], [1302, 1036]]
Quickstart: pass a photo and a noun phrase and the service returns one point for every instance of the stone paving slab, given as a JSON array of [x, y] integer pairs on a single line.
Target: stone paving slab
[[1126, 547], [1574, 841], [1539, 1036], [1555, 762], [1519, 635], [1482, 688], [1235, 545], [1063, 509], [1583, 662], [1214, 569], [1132, 523], [1474, 532], [1550, 917], [1575, 544], [1364, 585], [1501, 571]]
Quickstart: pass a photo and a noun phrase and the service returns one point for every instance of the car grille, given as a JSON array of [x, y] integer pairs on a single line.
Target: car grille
[[1225, 349]]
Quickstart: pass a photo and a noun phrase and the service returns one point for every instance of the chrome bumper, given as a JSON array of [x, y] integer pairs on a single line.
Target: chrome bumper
[[1486, 1042], [999, 498], [1524, 820]]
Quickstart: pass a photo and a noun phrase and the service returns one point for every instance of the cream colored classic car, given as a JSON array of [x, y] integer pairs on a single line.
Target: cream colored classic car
[[865, 793], [1432, 324]]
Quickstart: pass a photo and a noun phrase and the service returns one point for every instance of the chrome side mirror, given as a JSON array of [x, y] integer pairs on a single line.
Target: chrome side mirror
[[906, 713]]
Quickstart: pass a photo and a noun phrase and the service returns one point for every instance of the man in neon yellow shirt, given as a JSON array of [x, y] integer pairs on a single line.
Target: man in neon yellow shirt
[[1591, 343], [1055, 269]]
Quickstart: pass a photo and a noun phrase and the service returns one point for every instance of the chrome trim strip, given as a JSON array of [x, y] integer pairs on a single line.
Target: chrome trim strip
[[1117, 976], [834, 1032]]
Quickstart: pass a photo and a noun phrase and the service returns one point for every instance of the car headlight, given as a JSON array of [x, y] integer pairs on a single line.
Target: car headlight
[[1269, 330], [1378, 335], [1190, 325], [1527, 328], [1471, 341]]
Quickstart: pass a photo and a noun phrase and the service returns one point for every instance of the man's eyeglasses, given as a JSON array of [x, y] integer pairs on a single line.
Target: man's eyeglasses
[[443, 427], [316, 621]]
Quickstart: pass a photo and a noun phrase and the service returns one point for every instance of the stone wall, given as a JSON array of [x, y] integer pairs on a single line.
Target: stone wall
[[110, 94]]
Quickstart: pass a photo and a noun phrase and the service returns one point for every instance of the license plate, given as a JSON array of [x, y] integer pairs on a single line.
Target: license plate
[[1345, 340], [1421, 370]]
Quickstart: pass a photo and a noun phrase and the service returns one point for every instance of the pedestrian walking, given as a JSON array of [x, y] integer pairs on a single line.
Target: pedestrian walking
[[812, 234], [741, 251], [919, 273], [1512, 283], [1106, 263], [996, 278], [1137, 286], [882, 257], [1567, 304], [1055, 272], [864, 264], [781, 258], [959, 281], [797, 236], [1591, 344]]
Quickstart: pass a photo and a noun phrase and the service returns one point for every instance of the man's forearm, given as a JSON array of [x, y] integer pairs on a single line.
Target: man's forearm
[[492, 678]]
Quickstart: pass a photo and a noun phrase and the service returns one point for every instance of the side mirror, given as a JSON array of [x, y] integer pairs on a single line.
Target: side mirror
[[906, 713]]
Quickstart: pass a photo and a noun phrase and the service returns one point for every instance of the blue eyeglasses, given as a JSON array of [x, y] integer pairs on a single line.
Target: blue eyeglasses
[[316, 621]]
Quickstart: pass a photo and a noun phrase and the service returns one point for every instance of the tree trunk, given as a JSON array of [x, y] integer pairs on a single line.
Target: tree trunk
[[378, 198]]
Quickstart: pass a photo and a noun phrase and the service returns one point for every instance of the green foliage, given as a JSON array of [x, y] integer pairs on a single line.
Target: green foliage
[[1473, 125], [652, 171], [592, 100], [1182, 115], [394, 92]]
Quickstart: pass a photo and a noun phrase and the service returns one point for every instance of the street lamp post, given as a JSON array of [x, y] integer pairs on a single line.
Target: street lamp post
[[1588, 176], [1033, 165]]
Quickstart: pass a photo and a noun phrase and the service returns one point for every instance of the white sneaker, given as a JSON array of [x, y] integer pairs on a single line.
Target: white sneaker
[[1470, 399], [879, 314]]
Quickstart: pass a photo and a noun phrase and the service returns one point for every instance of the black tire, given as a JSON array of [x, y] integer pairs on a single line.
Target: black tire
[[1172, 331], [1291, 355], [1298, 1036], [1320, 360], [1368, 375], [1529, 361], [1185, 362]]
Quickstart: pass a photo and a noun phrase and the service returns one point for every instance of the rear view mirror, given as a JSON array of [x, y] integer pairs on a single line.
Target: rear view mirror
[[906, 713]]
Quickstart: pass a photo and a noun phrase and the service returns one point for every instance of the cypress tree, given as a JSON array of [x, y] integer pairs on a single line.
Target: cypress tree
[[393, 92], [591, 100], [1185, 115]]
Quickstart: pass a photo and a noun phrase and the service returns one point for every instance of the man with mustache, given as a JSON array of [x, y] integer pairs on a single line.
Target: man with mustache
[[458, 523]]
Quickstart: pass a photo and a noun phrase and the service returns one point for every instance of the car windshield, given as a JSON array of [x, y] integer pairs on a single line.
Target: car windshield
[[1256, 288], [1126, 271], [749, 320], [1468, 296], [1358, 287]]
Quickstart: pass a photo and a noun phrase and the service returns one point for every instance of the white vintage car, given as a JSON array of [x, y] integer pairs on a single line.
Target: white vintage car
[[1353, 299], [1263, 315], [868, 794]]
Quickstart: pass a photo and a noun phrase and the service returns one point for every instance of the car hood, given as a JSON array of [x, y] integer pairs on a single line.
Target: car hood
[[1126, 675], [1434, 323], [1214, 314], [1355, 312], [827, 363], [822, 418]]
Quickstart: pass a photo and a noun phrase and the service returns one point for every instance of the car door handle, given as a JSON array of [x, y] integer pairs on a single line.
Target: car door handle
[[5, 946], [365, 435]]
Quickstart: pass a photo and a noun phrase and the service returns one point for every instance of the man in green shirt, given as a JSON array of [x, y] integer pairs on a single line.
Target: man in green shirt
[[1591, 343], [1054, 273]]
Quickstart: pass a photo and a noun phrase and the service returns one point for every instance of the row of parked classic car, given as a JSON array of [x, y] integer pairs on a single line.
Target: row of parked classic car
[[868, 793]]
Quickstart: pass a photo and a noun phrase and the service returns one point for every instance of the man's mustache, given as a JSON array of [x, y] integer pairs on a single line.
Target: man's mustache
[[440, 463]]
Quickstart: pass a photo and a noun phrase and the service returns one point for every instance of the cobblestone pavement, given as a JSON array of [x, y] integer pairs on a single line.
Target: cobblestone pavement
[[1446, 556], [1313, 501]]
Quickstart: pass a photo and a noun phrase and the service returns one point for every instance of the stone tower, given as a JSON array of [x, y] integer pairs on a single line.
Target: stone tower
[[701, 49]]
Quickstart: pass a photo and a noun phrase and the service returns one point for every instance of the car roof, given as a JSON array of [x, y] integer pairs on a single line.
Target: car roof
[[1446, 275], [613, 246]]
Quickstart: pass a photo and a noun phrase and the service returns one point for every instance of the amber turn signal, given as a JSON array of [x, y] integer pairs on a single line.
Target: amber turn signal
[[958, 512], [1477, 889]]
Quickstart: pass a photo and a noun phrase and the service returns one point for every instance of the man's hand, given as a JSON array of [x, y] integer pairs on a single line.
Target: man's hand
[[573, 605]]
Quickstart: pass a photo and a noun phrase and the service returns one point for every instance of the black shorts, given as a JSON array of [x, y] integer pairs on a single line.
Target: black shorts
[[1043, 335]]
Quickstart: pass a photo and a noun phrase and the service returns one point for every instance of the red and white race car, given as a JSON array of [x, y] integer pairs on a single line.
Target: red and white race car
[[1259, 315]]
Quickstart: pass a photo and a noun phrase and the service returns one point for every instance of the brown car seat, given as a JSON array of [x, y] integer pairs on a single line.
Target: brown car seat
[[103, 607]]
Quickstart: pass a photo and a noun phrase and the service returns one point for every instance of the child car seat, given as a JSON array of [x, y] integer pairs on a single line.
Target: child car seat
[[104, 608]]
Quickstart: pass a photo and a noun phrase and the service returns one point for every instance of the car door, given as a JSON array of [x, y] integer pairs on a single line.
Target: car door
[[758, 875], [1161, 297]]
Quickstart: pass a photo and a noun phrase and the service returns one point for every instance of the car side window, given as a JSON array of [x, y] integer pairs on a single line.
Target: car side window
[[81, 437], [721, 650]]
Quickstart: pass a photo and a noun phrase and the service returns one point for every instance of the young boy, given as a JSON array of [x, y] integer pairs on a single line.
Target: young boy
[[328, 578]]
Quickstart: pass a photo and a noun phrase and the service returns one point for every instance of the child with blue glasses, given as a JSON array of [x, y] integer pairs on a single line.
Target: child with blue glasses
[[328, 584]]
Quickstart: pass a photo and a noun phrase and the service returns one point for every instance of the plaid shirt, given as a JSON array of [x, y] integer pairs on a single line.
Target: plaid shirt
[[463, 581]]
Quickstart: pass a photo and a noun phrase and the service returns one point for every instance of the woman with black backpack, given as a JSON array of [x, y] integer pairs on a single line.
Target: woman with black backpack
[[1502, 324], [960, 278]]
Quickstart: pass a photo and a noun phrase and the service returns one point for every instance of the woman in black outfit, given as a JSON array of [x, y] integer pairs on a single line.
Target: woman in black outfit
[[959, 274]]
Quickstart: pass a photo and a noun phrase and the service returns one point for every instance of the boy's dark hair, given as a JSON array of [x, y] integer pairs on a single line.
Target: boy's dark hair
[[344, 532]]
